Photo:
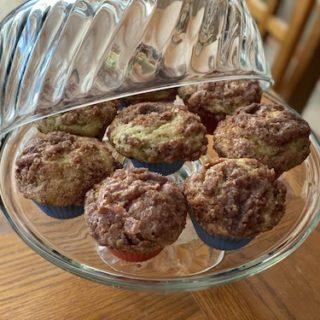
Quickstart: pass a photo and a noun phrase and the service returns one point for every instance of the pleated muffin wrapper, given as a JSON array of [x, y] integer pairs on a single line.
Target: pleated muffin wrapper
[[122, 105], [217, 241], [66, 212], [134, 256], [163, 168]]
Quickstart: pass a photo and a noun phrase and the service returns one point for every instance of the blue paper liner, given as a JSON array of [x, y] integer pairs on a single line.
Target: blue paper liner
[[162, 168], [66, 212], [219, 242], [121, 105]]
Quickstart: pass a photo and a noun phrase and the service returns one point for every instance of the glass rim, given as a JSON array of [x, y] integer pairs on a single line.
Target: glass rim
[[266, 82]]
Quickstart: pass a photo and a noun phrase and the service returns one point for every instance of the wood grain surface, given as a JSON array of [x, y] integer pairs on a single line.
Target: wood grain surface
[[32, 288]]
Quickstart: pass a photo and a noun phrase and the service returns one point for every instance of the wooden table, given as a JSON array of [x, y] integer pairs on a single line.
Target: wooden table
[[32, 288]]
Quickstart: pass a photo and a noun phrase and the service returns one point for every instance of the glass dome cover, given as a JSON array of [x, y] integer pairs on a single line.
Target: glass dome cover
[[56, 55]]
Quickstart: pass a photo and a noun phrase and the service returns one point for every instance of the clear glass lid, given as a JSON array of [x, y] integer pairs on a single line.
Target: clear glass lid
[[58, 55]]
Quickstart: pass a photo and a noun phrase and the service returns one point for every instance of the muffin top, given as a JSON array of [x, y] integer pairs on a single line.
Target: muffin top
[[220, 97], [58, 168], [239, 198], [271, 134], [89, 121], [135, 210], [158, 132]]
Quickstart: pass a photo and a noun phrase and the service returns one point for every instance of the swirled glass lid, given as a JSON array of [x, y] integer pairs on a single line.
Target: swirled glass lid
[[56, 55]]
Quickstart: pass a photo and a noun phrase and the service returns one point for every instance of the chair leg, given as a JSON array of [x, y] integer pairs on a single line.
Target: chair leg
[[303, 89], [299, 84]]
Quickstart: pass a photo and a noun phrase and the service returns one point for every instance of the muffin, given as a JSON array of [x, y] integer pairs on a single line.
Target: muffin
[[89, 121], [56, 170], [212, 101], [233, 200], [135, 213], [271, 134], [159, 136]]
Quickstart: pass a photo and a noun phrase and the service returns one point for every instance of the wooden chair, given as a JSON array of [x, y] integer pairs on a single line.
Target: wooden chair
[[296, 68]]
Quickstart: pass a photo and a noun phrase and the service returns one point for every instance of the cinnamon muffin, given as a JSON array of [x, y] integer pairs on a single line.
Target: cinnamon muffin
[[57, 169], [233, 200], [158, 133], [89, 121], [271, 134], [135, 213], [214, 100]]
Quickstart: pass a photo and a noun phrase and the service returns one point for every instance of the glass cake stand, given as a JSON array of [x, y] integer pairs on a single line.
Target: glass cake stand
[[186, 265]]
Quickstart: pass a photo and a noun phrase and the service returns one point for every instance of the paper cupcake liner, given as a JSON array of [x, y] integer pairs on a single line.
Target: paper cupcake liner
[[162, 168], [219, 242], [66, 212], [134, 256], [122, 104]]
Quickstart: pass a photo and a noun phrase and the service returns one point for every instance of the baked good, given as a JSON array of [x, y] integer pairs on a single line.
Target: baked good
[[135, 213], [269, 133], [233, 200], [212, 101], [158, 133], [57, 169], [89, 121]]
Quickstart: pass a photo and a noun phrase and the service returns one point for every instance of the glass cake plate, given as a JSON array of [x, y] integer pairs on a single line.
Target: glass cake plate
[[188, 264], [58, 55]]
